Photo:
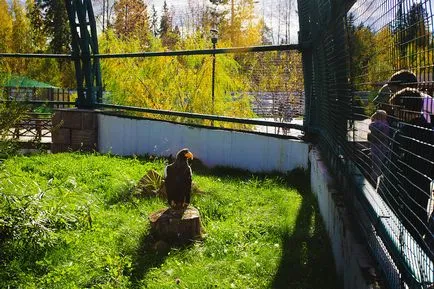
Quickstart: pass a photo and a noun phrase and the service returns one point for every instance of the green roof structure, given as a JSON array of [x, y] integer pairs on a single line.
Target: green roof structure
[[23, 81]]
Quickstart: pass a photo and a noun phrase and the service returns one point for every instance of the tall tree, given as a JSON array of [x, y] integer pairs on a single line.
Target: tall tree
[[57, 29], [412, 36], [131, 19], [37, 33], [362, 49], [415, 23], [21, 37], [267, 34], [56, 25], [20, 29], [242, 27], [169, 36], [104, 10], [154, 21], [418, 40], [166, 21], [5, 26]]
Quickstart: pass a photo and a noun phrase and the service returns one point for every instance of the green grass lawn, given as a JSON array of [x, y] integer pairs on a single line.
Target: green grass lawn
[[71, 221]]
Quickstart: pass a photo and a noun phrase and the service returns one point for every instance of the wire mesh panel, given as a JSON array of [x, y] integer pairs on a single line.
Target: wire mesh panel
[[391, 70], [369, 83], [264, 86]]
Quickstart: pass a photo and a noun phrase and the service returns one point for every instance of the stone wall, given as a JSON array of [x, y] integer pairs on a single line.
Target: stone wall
[[74, 130]]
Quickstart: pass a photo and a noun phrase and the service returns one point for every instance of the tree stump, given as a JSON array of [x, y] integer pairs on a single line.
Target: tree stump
[[176, 225]]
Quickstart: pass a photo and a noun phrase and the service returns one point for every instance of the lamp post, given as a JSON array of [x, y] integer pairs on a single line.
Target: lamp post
[[214, 38]]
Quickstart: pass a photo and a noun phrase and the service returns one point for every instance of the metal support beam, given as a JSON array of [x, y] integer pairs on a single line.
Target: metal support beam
[[263, 48], [247, 49], [84, 46], [35, 55], [202, 116]]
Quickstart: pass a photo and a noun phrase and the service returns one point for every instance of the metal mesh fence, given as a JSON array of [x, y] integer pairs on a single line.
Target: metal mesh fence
[[266, 86], [369, 82]]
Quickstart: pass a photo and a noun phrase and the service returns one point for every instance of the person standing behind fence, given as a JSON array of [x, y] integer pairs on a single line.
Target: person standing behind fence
[[428, 107], [399, 80], [413, 155], [379, 140]]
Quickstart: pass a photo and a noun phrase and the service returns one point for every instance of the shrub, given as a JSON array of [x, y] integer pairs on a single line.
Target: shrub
[[11, 113]]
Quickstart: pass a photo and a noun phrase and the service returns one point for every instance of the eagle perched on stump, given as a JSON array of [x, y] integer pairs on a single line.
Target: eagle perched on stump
[[178, 180]]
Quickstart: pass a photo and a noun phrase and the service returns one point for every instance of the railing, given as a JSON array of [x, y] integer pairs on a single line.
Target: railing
[[262, 48], [248, 121], [38, 94], [38, 127], [34, 126]]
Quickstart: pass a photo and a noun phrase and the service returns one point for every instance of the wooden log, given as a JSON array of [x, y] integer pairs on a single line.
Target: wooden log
[[176, 225]]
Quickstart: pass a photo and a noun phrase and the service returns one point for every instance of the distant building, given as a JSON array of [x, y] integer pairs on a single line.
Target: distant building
[[24, 88]]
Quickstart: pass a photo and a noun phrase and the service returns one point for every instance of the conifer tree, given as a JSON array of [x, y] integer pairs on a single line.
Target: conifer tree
[[154, 21], [169, 36], [131, 19], [166, 21], [37, 33], [56, 25]]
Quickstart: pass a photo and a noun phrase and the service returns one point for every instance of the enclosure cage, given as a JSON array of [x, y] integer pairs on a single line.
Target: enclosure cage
[[367, 102]]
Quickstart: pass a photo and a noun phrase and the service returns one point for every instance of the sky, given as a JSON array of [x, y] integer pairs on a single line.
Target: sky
[[378, 14], [266, 9]]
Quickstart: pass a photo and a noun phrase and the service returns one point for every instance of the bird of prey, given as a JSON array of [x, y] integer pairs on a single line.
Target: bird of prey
[[177, 178]]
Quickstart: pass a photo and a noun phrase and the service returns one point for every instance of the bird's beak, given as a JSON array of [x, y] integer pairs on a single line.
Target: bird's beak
[[189, 155]]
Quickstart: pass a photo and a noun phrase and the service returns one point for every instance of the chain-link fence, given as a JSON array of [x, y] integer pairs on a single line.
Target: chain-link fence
[[369, 81]]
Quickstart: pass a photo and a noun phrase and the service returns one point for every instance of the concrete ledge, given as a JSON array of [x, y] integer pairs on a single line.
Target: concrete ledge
[[354, 266]]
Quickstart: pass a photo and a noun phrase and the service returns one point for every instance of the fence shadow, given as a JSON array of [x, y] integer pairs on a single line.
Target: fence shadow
[[307, 260]]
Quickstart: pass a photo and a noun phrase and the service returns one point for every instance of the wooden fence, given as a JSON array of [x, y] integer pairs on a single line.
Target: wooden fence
[[34, 127]]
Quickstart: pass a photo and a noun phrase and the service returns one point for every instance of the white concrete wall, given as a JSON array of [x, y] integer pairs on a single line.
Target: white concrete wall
[[353, 263], [254, 152]]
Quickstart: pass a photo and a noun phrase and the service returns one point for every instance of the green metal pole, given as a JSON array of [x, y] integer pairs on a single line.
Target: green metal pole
[[213, 76], [248, 49], [84, 47]]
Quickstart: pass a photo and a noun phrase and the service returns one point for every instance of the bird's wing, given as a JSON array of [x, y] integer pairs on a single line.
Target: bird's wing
[[165, 172], [170, 186], [189, 173]]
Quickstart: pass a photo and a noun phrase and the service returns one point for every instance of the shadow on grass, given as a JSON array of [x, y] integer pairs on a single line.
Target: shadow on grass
[[145, 258], [151, 253], [297, 178], [307, 260]]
